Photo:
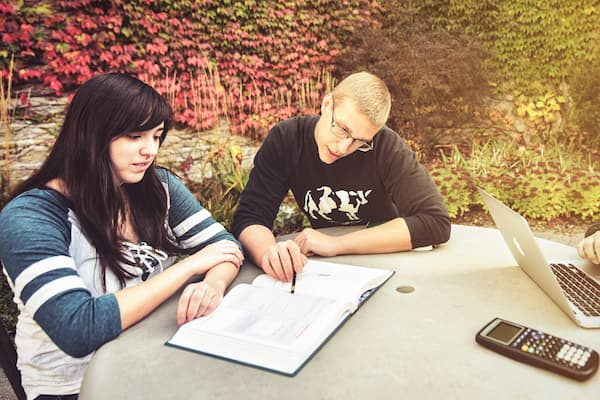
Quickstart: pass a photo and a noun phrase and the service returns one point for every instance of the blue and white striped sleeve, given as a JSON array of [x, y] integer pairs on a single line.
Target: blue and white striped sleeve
[[193, 225], [34, 251]]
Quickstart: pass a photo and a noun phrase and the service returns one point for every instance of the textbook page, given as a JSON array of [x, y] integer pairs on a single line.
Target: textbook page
[[325, 279], [264, 327]]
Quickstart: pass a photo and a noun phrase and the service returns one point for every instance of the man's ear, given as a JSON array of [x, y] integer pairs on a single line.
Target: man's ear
[[327, 100]]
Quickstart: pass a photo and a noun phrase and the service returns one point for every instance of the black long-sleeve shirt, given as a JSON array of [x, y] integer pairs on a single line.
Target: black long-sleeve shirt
[[361, 188]]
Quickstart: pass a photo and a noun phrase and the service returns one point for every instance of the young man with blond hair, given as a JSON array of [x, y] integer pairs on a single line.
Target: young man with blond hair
[[344, 167]]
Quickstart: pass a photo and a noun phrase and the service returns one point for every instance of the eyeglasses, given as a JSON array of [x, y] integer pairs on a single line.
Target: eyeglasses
[[341, 133]]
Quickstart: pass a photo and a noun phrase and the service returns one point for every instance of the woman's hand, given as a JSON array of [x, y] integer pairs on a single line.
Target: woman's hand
[[198, 299], [217, 253], [589, 248]]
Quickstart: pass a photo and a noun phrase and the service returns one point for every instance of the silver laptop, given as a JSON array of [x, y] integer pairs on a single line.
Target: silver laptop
[[576, 292]]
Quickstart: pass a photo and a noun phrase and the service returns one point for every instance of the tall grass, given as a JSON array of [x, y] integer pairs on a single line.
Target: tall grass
[[203, 101], [7, 114], [8, 309]]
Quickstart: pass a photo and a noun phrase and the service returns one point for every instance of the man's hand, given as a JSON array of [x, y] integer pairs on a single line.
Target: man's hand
[[312, 242], [283, 259]]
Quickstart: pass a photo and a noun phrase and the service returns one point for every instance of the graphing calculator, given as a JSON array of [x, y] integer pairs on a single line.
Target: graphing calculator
[[538, 348]]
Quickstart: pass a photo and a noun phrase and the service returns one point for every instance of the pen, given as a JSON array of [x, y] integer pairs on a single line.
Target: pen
[[293, 283]]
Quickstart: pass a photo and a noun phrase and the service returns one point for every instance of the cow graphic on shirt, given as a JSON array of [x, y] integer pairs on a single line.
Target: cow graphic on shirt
[[324, 200]]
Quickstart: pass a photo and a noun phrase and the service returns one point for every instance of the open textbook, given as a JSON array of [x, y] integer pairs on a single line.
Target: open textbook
[[266, 326]]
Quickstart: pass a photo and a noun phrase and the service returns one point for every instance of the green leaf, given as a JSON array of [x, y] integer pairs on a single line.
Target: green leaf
[[62, 47]]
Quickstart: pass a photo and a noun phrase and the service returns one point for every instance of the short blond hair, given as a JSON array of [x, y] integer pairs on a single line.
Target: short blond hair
[[369, 94]]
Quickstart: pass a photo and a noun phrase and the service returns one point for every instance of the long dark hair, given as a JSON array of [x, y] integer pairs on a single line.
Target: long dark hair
[[104, 108]]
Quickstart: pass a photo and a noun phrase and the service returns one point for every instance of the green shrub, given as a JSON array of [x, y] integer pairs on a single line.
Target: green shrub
[[434, 76], [525, 180], [528, 41], [290, 218], [8, 309], [225, 179], [531, 47], [585, 91], [455, 185], [584, 194], [541, 192]]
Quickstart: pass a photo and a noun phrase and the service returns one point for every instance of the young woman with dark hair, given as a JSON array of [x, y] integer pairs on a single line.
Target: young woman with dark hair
[[87, 239]]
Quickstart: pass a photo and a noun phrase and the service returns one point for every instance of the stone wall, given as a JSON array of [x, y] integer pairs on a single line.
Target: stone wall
[[34, 129]]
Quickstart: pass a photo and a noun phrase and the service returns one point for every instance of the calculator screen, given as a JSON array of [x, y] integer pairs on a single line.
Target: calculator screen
[[504, 332]]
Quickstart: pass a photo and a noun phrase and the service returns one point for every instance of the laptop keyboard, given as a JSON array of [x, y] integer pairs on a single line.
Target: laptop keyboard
[[581, 290]]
